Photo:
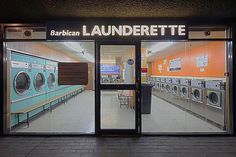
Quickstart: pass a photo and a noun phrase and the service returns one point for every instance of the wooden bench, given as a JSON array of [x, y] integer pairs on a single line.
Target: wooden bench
[[27, 110]]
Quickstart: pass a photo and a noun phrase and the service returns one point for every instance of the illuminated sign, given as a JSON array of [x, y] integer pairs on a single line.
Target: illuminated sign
[[110, 69], [91, 31]]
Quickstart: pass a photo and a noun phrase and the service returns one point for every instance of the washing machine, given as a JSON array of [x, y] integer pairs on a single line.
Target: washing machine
[[197, 90], [176, 86], [39, 78], [184, 92], [149, 80], [20, 84], [198, 97], [215, 104], [168, 85], [51, 79], [163, 82], [185, 88], [157, 83]]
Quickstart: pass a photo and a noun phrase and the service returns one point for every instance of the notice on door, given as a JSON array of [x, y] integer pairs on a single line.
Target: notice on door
[[72, 73]]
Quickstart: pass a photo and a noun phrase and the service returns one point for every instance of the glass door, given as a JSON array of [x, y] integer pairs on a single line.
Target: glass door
[[118, 84]]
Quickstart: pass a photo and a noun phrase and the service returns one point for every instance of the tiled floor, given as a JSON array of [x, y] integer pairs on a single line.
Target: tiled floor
[[117, 146], [78, 116]]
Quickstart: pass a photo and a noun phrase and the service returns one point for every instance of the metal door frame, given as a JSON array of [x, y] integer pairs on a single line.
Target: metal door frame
[[136, 87]]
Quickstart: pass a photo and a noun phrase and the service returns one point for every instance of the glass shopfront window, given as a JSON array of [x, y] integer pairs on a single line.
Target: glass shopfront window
[[178, 83]]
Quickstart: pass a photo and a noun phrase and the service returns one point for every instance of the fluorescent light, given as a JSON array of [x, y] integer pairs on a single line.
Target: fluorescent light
[[159, 46], [75, 47]]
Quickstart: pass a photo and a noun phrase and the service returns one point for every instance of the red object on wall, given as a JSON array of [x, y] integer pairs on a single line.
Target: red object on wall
[[144, 70]]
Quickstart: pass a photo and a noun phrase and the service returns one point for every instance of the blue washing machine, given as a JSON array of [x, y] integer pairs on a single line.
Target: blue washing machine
[[39, 81], [51, 78], [21, 84]]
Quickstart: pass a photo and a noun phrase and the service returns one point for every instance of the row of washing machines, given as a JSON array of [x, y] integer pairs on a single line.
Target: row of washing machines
[[204, 98], [33, 79]]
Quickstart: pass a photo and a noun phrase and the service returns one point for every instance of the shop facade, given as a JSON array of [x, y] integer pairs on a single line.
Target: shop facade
[[211, 67]]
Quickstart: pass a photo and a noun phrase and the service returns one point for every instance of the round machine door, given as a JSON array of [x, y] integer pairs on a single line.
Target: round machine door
[[162, 86], [197, 95], [51, 80], [39, 81], [168, 88], [214, 99], [175, 90], [157, 85], [21, 83], [184, 92]]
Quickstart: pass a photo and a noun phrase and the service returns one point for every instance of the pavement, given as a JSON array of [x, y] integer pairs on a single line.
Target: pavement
[[144, 146]]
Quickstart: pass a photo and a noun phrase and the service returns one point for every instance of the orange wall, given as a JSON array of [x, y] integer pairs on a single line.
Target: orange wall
[[216, 62]]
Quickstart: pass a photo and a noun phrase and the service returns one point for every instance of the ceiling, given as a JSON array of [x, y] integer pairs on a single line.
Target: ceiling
[[110, 54], [53, 9], [81, 51]]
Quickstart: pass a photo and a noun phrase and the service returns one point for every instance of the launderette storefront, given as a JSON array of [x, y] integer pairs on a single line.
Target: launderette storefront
[[143, 77]]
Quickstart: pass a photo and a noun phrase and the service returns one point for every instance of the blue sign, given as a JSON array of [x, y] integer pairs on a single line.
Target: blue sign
[[130, 61], [110, 69]]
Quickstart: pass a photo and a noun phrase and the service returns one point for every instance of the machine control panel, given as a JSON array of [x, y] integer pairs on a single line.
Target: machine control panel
[[185, 82], [175, 81], [215, 84], [197, 83], [163, 79], [157, 79], [168, 80]]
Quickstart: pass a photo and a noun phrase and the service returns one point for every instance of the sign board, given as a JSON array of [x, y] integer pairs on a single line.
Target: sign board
[[175, 64], [72, 73], [110, 69], [115, 29]]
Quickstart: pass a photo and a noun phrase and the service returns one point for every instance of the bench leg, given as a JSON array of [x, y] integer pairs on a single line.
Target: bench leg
[[27, 119], [18, 119], [50, 106]]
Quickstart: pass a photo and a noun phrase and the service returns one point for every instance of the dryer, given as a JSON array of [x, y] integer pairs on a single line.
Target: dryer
[[184, 93], [198, 97], [215, 95], [163, 81], [168, 85], [197, 90], [176, 86], [20, 84], [39, 78], [185, 88], [157, 83], [149, 80], [51, 78]]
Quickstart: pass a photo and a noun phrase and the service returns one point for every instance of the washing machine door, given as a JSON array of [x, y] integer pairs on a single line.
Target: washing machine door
[[168, 88], [51, 80], [197, 95], [214, 98], [39, 81], [22, 83], [175, 90], [158, 85], [162, 86], [184, 92]]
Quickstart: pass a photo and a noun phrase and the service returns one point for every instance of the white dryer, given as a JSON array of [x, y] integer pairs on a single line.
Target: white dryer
[[163, 81], [176, 86], [215, 93], [157, 83], [197, 90], [168, 85], [215, 104], [185, 88]]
